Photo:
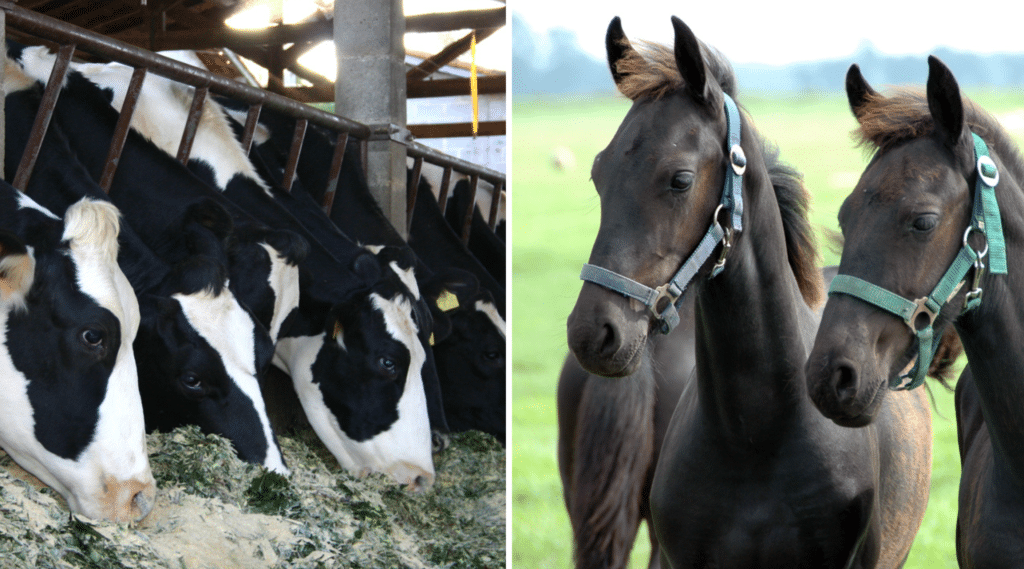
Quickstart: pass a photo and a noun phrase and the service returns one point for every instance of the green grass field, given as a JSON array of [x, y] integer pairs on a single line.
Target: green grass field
[[555, 217]]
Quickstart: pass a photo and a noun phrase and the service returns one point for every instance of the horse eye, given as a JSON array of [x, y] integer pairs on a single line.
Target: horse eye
[[92, 337], [682, 181], [926, 222]]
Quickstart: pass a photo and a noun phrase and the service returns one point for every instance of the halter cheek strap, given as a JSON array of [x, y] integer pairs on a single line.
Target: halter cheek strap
[[732, 201], [920, 314]]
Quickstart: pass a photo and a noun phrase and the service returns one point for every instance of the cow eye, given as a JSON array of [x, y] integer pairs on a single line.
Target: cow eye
[[682, 181], [92, 337], [386, 363], [191, 382]]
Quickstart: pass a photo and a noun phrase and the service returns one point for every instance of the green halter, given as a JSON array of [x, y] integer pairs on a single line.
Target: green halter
[[920, 314]]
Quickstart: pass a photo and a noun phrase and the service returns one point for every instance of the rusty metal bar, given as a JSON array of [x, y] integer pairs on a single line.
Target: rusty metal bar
[[411, 191], [293, 155], [334, 172], [446, 182], [436, 157], [121, 131], [492, 219], [195, 112], [251, 119], [42, 122], [467, 220], [55, 30], [59, 32]]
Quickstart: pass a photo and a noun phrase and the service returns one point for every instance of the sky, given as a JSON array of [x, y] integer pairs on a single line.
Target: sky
[[777, 32]]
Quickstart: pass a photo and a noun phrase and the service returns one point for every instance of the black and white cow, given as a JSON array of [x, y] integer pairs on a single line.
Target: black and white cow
[[476, 346], [351, 348], [470, 366], [70, 411], [202, 353], [484, 243]]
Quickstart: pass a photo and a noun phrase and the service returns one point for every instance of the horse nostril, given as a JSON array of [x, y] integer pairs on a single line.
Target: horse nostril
[[608, 340], [844, 381]]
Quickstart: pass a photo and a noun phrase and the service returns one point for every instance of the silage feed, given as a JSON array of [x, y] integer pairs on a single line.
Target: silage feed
[[215, 511]]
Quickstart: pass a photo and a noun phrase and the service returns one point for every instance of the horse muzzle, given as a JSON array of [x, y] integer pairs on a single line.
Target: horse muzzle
[[607, 331]]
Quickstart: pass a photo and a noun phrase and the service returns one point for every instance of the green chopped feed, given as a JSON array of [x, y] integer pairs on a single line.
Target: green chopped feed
[[215, 511]]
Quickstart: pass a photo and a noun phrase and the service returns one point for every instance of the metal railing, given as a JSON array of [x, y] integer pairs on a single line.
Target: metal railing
[[71, 38]]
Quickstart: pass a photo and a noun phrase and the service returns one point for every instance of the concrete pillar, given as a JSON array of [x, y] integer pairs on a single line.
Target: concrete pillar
[[370, 88]]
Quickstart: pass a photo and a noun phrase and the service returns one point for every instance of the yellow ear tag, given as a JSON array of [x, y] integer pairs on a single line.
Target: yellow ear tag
[[431, 338], [447, 301], [337, 330]]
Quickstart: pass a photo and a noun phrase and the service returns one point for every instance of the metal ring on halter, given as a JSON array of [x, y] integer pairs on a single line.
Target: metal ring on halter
[[738, 159], [987, 161], [922, 308], [967, 234]]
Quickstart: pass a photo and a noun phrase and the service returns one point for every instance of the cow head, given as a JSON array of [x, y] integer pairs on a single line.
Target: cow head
[[68, 381]]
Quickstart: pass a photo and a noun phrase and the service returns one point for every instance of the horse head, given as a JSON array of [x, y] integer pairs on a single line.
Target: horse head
[[907, 221], [664, 168]]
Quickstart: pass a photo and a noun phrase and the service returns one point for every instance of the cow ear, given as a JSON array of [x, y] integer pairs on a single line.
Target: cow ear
[[945, 103], [858, 92], [211, 215], [17, 270], [451, 289], [290, 245], [367, 268], [689, 60]]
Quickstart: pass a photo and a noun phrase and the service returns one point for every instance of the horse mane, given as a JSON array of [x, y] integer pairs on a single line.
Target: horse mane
[[649, 70], [794, 203], [886, 121]]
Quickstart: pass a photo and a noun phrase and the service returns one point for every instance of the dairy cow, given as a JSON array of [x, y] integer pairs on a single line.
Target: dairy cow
[[70, 411], [351, 346], [201, 353]]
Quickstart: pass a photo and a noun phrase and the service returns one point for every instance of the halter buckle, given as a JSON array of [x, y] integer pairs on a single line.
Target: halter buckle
[[922, 308], [986, 162], [668, 290], [738, 159]]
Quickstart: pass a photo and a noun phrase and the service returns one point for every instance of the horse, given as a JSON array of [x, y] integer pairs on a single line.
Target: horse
[[930, 208], [750, 471]]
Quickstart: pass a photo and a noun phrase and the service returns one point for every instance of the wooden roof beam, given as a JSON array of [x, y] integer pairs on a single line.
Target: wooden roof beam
[[451, 21], [447, 55], [453, 130], [488, 85]]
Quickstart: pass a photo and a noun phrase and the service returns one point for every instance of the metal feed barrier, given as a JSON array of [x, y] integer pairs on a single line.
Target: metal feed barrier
[[70, 38]]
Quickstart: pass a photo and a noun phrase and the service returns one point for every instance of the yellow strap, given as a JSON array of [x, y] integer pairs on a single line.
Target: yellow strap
[[473, 91]]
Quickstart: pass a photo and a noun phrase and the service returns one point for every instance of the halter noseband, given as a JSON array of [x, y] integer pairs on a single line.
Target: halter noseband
[[920, 314], [732, 201]]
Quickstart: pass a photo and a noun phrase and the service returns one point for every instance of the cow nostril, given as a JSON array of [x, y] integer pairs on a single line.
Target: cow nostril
[[142, 504], [844, 381]]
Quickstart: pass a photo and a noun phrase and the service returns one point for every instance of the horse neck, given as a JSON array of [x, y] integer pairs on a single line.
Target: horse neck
[[992, 336], [753, 326]]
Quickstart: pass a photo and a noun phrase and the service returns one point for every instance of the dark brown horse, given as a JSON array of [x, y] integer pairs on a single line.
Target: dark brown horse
[[609, 436], [913, 213], [750, 473]]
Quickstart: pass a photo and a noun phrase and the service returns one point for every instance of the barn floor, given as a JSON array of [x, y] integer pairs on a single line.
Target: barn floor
[[215, 511]]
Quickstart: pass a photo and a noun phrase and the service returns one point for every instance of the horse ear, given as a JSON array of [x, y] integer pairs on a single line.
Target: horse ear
[[618, 46], [944, 102], [857, 90], [689, 59]]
